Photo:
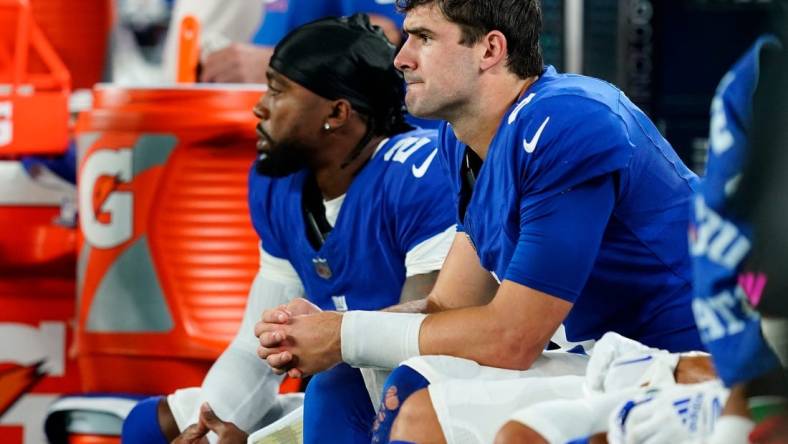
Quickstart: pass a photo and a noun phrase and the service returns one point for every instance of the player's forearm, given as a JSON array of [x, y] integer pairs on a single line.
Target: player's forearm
[[385, 339], [478, 334], [445, 296], [510, 331], [415, 295], [241, 387], [419, 306]]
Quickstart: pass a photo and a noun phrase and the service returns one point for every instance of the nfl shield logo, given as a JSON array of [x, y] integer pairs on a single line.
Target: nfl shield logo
[[321, 268]]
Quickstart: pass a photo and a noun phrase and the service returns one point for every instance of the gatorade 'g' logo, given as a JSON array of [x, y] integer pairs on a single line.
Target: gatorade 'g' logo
[[105, 199]]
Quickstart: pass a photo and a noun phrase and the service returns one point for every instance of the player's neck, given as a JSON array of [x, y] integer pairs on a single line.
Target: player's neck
[[477, 126], [334, 177]]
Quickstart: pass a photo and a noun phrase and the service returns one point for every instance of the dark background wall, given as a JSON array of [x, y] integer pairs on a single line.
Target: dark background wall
[[667, 55]]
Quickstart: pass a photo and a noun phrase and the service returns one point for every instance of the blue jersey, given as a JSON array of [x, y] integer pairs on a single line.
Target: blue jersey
[[282, 16], [720, 242], [581, 198], [398, 200]]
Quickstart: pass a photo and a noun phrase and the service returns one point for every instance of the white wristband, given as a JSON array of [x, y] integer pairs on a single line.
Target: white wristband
[[731, 429], [380, 339]]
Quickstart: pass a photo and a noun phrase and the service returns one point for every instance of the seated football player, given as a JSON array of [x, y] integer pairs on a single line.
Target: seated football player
[[353, 213], [566, 194], [734, 271], [738, 250]]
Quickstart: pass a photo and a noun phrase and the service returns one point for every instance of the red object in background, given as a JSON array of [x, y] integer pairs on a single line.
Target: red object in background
[[79, 33], [93, 439], [33, 301], [30, 96], [38, 282], [31, 245], [291, 385], [15, 380], [169, 251], [188, 49], [11, 434], [37, 308]]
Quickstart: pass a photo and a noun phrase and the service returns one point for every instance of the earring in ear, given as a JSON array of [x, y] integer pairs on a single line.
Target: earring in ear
[[326, 126]]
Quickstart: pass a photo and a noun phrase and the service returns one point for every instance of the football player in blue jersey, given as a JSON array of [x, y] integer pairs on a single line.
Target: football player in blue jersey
[[565, 193], [728, 324], [353, 211], [737, 262]]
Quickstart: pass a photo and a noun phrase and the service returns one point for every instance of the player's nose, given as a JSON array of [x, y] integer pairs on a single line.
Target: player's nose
[[405, 60], [260, 110]]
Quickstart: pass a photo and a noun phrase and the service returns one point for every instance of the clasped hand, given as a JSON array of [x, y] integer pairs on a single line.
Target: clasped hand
[[299, 339]]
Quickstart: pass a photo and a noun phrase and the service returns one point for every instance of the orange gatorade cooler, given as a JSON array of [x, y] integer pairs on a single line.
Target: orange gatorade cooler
[[168, 251], [34, 86]]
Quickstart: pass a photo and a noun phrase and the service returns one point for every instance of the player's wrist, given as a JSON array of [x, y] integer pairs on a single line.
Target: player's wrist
[[379, 339], [335, 338]]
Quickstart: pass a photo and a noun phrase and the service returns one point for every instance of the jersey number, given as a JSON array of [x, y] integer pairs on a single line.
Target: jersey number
[[405, 148]]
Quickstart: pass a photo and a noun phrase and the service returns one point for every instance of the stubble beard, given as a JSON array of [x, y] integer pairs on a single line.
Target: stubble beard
[[280, 159], [434, 106]]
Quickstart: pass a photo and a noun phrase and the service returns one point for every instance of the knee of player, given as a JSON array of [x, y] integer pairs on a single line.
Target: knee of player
[[142, 424], [515, 432], [402, 382], [322, 389], [417, 420]]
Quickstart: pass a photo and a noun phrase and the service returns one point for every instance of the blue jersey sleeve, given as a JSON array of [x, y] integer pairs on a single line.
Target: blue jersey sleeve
[[562, 141], [560, 238], [261, 206], [565, 150], [720, 242], [419, 195]]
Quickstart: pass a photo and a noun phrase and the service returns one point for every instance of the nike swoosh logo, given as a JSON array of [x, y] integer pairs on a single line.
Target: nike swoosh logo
[[530, 145], [418, 172]]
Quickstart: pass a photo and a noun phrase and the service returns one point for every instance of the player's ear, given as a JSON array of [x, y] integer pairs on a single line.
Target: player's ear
[[339, 114], [495, 50]]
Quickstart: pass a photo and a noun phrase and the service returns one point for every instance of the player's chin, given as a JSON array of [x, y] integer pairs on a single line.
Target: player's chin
[[263, 145], [412, 93], [414, 104], [419, 109]]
